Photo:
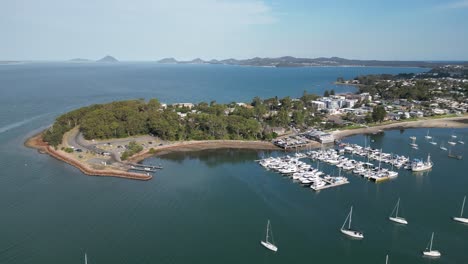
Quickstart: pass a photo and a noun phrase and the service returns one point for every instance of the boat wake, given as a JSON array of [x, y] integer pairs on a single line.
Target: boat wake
[[20, 123]]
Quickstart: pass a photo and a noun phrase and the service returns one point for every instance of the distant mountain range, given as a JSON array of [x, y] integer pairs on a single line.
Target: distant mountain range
[[289, 61]]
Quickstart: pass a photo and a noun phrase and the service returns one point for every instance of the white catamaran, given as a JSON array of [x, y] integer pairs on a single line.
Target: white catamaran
[[429, 252], [462, 219], [267, 243], [396, 218], [348, 231]]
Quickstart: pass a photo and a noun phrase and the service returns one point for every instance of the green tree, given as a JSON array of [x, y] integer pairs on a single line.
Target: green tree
[[378, 113]]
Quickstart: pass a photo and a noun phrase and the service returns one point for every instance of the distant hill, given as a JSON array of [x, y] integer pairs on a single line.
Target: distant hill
[[108, 59], [289, 61], [168, 60]]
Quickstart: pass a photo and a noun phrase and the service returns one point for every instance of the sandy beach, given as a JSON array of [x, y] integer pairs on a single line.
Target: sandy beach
[[202, 145], [452, 122]]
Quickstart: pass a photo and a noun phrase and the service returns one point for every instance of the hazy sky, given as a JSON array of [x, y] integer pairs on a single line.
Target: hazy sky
[[153, 29]]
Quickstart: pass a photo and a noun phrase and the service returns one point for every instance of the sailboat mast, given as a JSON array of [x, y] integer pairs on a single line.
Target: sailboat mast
[[397, 207], [268, 227], [350, 217], [432, 238], [463, 206]]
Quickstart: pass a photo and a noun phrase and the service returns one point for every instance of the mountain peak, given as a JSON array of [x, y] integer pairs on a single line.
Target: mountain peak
[[108, 58]]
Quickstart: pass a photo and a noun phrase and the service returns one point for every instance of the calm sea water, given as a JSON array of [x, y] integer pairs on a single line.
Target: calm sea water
[[210, 206]]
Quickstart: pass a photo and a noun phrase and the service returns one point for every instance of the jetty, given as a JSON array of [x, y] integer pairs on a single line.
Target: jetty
[[137, 165]]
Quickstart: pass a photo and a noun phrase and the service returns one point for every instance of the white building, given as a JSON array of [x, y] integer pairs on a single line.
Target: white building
[[319, 105], [189, 105]]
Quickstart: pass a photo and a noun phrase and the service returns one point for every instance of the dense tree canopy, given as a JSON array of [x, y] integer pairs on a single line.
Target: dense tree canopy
[[203, 121]]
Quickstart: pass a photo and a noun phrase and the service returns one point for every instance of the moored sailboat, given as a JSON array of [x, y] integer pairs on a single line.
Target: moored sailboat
[[429, 252], [462, 219], [396, 218], [269, 245], [348, 231], [427, 135], [442, 147]]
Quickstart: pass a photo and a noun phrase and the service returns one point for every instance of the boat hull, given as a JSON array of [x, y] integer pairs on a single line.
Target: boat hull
[[269, 246], [425, 168], [353, 233], [398, 220], [461, 220], [432, 253]]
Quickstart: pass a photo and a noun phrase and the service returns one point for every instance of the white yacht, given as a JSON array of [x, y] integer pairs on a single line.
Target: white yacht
[[453, 143], [433, 142], [429, 252], [396, 218], [442, 147], [427, 135], [419, 165], [269, 245], [462, 219], [348, 231], [85, 258]]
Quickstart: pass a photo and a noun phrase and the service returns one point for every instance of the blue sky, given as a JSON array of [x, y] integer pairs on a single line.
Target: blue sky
[[153, 29]]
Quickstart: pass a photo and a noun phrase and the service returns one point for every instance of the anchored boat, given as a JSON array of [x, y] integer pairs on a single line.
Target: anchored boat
[[269, 245], [396, 218], [429, 252], [462, 219], [349, 231]]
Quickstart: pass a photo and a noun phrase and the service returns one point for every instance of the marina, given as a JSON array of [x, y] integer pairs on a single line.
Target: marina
[[303, 173]]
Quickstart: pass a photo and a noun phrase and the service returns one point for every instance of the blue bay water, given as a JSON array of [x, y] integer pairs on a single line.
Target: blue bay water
[[210, 206]]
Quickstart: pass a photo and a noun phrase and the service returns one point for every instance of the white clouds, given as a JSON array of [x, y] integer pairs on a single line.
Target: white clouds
[[455, 5]]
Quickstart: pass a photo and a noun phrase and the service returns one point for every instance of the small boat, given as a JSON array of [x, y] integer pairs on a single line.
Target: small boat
[[413, 137], [348, 231], [442, 147], [453, 143], [462, 219], [427, 136], [461, 142], [433, 142], [413, 143], [269, 245], [429, 252], [85, 258], [397, 219], [454, 156], [419, 165], [386, 259]]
